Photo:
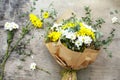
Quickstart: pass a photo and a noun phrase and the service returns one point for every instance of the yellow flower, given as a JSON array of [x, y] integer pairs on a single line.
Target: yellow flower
[[68, 25], [54, 36], [35, 21], [85, 31], [45, 15]]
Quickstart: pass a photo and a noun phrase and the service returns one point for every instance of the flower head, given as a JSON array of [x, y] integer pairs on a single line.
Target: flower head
[[54, 36], [68, 25], [89, 27], [15, 26], [83, 39], [10, 26], [114, 20], [35, 21], [46, 15], [33, 66], [79, 41], [56, 27], [84, 31], [69, 35], [87, 40]]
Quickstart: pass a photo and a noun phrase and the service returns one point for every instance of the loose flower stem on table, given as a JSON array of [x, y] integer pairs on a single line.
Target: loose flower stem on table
[[9, 51]]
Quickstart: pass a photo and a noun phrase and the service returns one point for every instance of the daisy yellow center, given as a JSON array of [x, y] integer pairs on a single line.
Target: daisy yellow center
[[45, 15]]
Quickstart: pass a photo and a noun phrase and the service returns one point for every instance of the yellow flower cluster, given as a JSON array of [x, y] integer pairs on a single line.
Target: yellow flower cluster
[[46, 15], [35, 21], [68, 25], [54, 36], [85, 31]]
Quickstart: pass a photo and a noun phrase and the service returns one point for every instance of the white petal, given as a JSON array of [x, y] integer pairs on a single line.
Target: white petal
[[33, 66], [7, 26], [79, 41], [14, 25], [114, 19], [89, 27], [87, 40], [32, 56]]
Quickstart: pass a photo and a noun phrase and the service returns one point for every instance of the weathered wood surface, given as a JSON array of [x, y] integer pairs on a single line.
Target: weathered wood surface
[[104, 68]]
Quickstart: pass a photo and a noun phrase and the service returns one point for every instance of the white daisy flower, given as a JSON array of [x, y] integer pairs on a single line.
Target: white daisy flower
[[114, 20], [89, 27], [69, 35], [79, 41], [14, 25], [87, 40], [64, 32], [8, 26], [56, 26], [33, 66]]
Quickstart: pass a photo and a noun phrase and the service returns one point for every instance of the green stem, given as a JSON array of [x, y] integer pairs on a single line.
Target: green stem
[[2, 66], [7, 55], [17, 43], [22, 36], [8, 52], [1, 73], [43, 70]]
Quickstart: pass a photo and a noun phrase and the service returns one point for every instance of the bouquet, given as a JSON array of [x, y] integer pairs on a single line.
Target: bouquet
[[75, 43]]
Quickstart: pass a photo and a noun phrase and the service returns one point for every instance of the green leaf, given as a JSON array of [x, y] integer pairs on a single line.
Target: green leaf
[[109, 38], [108, 52], [116, 11], [34, 3], [99, 22], [98, 34], [111, 13], [10, 35], [24, 30], [22, 59], [77, 28], [87, 19], [32, 9]]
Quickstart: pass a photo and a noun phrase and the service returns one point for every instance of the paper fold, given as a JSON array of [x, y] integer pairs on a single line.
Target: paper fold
[[70, 59]]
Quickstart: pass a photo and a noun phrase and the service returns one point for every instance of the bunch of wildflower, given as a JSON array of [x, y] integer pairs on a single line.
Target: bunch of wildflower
[[10, 26], [73, 34]]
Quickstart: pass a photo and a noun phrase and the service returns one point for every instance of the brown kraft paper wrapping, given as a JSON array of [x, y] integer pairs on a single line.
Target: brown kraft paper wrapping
[[70, 59]]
